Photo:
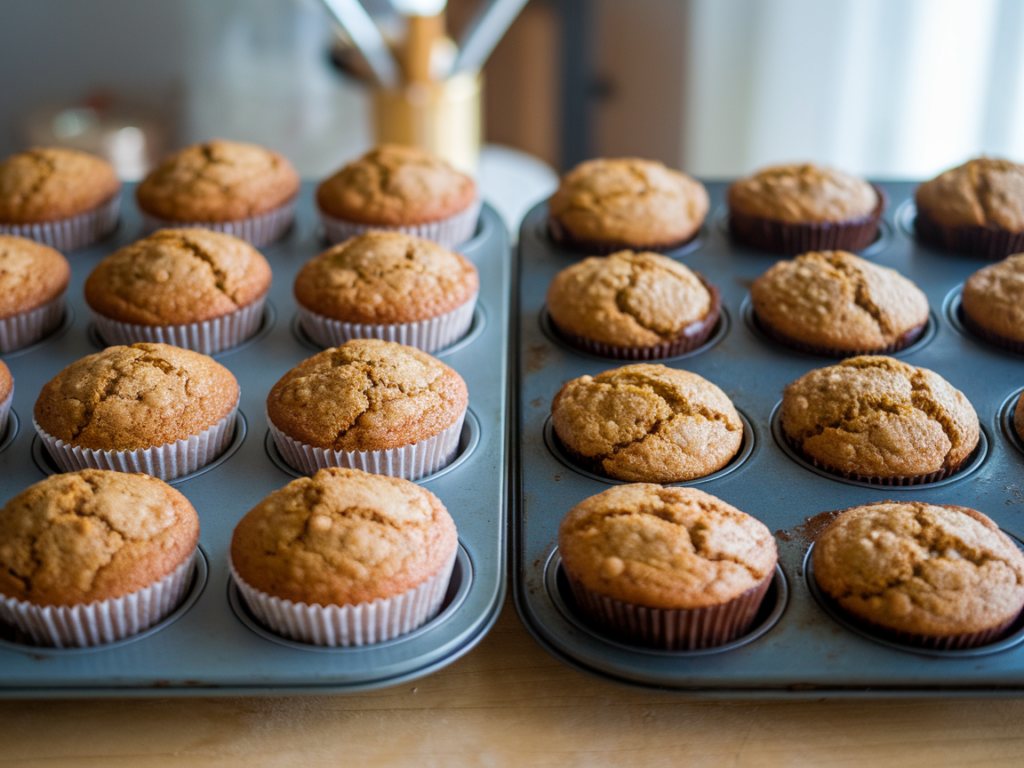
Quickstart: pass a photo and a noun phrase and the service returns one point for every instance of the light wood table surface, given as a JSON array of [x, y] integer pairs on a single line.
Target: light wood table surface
[[507, 703]]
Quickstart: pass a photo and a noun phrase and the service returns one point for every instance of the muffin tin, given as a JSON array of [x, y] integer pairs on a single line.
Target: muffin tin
[[211, 644], [798, 646]]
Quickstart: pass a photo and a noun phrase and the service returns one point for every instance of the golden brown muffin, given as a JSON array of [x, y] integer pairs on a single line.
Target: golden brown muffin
[[145, 395], [47, 184], [992, 303], [343, 537], [602, 206], [931, 573], [1018, 419], [835, 303], [92, 535], [638, 303], [647, 423], [6, 388], [875, 418], [31, 275], [178, 276]]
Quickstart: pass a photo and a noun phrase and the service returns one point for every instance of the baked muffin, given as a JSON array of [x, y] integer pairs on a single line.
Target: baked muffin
[[992, 303], [940, 577], [91, 557], [33, 281], [879, 420], [632, 306], [387, 285], [673, 568], [345, 557], [193, 288], [1018, 418], [227, 186], [403, 189], [976, 208], [63, 198], [602, 206], [647, 423], [6, 397], [797, 208], [373, 405], [149, 408], [834, 303]]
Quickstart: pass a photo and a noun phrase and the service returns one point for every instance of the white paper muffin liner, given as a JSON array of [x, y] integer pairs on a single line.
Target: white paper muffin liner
[[409, 462], [5, 409], [74, 232], [258, 231], [347, 625], [450, 232], [29, 327], [428, 335], [208, 337], [103, 621], [165, 462]]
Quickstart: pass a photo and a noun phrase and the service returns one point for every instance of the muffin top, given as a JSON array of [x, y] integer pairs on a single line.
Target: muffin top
[[178, 276], [665, 548], [386, 277], [218, 181], [6, 388], [835, 300], [92, 535], [920, 568], [46, 184], [343, 537], [984, 192], [879, 417], [393, 186], [647, 423], [629, 202], [993, 297], [31, 275], [367, 395], [628, 299], [141, 396], [803, 194]]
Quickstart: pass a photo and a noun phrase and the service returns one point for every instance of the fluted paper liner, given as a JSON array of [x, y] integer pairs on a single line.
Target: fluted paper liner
[[258, 231], [563, 237], [449, 232], [20, 330], [989, 243], [74, 232], [986, 335], [5, 410]]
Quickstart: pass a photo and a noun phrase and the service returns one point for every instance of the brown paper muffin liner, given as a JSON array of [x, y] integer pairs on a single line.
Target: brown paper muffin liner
[[74, 232], [983, 242], [165, 462], [103, 621], [5, 410], [986, 335], [672, 630], [208, 337], [904, 341], [428, 335], [348, 625], [29, 327], [563, 237], [258, 231], [450, 232]]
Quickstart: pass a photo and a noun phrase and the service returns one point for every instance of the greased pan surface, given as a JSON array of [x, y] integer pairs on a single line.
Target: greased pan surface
[[211, 645], [798, 646]]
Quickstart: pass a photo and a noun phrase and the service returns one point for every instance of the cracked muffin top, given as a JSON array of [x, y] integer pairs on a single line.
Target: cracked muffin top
[[6, 388], [45, 184], [343, 537], [993, 298], [93, 535], [838, 302], [803, 194], [178, 276], [647, 423], [878, 417], [367, 395], [628, 203], [218, 181], [145, 395], [628, 299], [386, 277], [920, 568], [394, 186], [665, 548], [984, 192], [31, 275]]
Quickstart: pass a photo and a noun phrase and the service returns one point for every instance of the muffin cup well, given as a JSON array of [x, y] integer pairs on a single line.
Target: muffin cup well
[[449, 232], [208, 337], [428, 335], [165, 462], [986, 335], [103, 621], [74, 232], [29, 327], [348, 625], [563, 237], [904, 341], [983, 242], [258, 231]]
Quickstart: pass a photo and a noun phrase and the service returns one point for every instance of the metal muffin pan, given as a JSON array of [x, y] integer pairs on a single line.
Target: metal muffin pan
[[798, 647], [211, 645]]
